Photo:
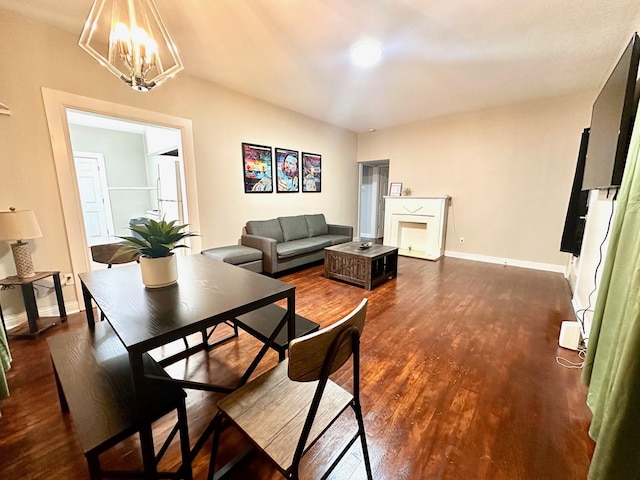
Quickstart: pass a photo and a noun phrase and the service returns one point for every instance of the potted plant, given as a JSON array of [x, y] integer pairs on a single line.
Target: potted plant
[[155, 250]]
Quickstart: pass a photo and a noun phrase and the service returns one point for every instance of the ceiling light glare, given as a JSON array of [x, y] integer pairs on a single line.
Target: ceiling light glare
[[366, 54]]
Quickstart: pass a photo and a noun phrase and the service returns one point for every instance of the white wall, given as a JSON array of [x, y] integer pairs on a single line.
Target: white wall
[[509, 171], [588, 267], [34, 55]]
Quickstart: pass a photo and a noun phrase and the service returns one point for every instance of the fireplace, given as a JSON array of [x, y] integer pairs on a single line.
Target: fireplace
[[416, 225]]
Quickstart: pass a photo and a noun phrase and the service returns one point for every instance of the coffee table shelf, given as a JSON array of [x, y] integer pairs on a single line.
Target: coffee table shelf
[[366, 268]]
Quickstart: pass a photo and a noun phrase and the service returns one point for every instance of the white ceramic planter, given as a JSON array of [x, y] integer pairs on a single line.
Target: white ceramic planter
[[159, 272]]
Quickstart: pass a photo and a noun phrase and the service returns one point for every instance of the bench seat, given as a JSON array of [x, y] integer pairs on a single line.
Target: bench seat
[[239, 255], [261, 324], [93, 376]]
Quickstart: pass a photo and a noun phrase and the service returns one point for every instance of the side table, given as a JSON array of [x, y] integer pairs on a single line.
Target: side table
[[36, 323]]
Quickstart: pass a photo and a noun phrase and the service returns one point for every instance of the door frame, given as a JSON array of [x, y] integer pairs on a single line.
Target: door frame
[[379, 204], [56, 104]]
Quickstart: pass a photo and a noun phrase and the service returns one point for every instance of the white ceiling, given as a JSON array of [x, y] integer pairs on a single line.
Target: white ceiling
[[440, 56]]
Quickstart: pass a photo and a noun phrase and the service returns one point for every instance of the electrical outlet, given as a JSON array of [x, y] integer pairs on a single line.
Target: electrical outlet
[[67, 279], [461, 239]]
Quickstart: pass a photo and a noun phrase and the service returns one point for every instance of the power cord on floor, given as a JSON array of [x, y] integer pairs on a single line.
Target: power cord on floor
[[566, 363]]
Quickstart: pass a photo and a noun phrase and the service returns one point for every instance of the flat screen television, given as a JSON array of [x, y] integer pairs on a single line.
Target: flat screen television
[[575, 220], [612, 121]]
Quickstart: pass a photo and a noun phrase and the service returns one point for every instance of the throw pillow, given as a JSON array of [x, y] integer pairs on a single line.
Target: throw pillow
[[266, 228], [293, 228], [316, 224]]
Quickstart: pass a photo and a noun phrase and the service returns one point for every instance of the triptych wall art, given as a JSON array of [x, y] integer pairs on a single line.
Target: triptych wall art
[[289, 174]]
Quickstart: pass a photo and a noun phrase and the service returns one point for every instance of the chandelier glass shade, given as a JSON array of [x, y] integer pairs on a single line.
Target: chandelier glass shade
[[129, 38]]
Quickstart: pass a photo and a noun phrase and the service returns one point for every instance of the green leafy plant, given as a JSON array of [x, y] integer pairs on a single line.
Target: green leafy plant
[[158, 239]]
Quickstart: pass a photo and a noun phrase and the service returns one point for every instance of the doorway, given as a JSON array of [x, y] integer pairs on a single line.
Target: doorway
[[133, 174], [374, 183], [56, 104]]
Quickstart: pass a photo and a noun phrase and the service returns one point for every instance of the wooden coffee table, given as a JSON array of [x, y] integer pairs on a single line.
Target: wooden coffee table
[[366, 268]]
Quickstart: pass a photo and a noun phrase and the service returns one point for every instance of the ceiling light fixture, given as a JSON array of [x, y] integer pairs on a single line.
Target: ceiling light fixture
[[129, 38], [366, 53]]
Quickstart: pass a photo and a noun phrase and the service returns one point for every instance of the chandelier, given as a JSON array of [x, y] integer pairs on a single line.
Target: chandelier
[[129, 38]]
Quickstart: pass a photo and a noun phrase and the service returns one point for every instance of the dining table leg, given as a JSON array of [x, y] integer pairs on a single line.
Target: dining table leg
[[88, 307], [291, 321], [146, 433], [148, 453]]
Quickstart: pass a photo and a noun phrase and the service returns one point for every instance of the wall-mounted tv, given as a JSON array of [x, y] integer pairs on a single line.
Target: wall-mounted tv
[[575, 220], [612, 121]]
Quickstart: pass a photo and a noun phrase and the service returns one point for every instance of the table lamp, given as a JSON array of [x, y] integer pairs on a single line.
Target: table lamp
[[20, 225]]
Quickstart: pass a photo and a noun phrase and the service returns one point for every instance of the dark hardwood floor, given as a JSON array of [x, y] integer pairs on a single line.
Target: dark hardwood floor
[[459, 381]]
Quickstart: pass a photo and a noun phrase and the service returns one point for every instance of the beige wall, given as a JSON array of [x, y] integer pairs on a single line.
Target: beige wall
[[34, 55], [508, 169]]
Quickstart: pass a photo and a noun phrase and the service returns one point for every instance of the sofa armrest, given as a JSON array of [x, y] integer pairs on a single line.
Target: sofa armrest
[[341, 230], [267, 246]]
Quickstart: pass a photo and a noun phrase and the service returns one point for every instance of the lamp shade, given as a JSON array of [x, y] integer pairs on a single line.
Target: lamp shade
[[19, 225]]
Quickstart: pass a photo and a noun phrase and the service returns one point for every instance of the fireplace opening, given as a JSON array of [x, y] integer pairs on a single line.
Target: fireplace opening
[[412, 236]]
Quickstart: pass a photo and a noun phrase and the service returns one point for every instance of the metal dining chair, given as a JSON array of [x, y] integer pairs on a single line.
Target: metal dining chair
[[285, 410]]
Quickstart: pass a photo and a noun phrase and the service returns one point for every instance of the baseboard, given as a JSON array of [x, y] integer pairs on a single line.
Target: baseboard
[[14, 320], [548, 267]]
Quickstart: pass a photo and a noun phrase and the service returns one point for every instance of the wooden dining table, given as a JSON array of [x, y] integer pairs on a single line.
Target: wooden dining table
[[208, 293]]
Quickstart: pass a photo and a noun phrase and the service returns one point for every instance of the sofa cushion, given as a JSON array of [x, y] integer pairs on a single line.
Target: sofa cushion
[[266, 228], [301, 246], [316, 224], [335, 239], [293, 228]]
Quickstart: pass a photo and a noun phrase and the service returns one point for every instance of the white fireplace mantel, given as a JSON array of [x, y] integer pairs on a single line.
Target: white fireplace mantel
[[416, 225]]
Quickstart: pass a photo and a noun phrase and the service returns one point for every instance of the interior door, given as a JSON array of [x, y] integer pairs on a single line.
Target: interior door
[[95, 208]]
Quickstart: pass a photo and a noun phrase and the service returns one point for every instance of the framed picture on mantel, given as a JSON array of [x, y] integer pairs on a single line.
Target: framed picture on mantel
[[395, 190]]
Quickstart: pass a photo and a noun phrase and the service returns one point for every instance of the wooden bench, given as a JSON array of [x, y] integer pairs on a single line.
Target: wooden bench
[[93, 377], [261, 324]]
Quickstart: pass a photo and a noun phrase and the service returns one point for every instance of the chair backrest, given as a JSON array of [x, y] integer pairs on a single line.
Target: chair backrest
[[104, 254], [307, 354]]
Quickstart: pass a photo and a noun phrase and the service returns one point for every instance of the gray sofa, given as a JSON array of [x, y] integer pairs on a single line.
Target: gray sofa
[[288, 242]]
